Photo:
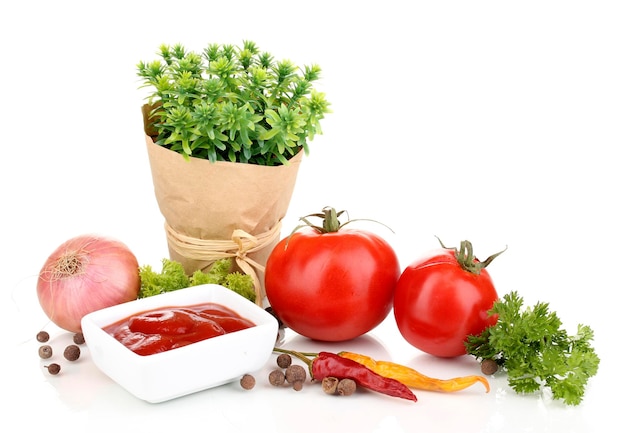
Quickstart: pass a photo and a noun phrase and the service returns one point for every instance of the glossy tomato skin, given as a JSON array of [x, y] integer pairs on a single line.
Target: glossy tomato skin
[[333, 286], [437, 304]]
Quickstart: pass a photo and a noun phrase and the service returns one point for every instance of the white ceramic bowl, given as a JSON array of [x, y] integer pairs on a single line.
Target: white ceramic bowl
[[185, 370]]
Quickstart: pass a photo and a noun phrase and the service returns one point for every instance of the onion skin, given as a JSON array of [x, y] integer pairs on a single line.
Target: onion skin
[[85, 274]]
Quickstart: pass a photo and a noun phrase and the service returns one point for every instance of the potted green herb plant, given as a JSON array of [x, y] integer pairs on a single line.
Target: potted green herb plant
[[226, 129]]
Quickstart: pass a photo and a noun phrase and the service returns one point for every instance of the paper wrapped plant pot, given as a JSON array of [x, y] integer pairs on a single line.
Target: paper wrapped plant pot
[[220, 209]]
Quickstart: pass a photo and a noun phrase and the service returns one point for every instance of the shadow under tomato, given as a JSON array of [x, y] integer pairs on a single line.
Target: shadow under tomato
[[365, 344]]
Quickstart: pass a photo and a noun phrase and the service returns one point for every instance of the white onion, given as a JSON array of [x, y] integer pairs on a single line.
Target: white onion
[[85, 274]]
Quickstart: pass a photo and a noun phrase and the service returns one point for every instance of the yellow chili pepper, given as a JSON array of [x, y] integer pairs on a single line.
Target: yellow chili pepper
[[414, 379]]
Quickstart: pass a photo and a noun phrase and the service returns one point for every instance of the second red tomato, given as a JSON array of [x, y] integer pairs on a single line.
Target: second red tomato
[[442, 298]]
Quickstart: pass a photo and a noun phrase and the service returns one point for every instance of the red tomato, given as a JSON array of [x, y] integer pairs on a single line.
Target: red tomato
[[442, 298], [331, 286]]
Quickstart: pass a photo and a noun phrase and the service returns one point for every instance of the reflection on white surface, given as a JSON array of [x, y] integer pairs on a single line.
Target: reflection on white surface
[[81, 393]]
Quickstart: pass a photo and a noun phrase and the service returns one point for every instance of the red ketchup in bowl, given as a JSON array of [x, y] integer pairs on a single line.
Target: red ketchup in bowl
[[167, 328]]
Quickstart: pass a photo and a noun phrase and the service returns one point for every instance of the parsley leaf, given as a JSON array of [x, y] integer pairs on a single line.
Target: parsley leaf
[[173, 277], [535, 351]]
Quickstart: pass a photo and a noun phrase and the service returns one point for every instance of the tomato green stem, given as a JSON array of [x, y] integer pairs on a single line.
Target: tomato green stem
[[466, 259], [330, 221]]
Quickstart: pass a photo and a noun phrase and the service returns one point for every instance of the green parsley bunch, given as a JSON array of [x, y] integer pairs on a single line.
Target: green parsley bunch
[[173, 277], [535, 351]]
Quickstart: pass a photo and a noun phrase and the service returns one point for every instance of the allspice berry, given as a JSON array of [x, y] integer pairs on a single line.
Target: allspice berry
[[247, 381], [277, 377], [283, 360], [488, 366], [295, 373], [79, 338], [43, 336], [53, 368], [45, 351], [346, 387], [329, 385], [72, 352]]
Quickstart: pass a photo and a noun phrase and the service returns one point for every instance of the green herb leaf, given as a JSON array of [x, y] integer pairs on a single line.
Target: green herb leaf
[[535, 351], [231, 103], [173, 277]]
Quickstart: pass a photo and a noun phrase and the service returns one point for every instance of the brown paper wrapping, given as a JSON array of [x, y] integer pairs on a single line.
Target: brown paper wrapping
[[220, 201]]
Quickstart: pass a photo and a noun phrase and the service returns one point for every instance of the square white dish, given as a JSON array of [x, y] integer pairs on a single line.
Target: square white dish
[[184, 370]]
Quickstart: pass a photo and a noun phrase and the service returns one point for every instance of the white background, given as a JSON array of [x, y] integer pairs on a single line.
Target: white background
[[498, 122]]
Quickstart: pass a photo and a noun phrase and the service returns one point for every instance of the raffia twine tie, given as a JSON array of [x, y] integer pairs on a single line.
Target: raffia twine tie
[[238, 247]]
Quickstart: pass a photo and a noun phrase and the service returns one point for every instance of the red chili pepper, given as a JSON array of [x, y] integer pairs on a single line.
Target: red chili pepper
[[326, 364]]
